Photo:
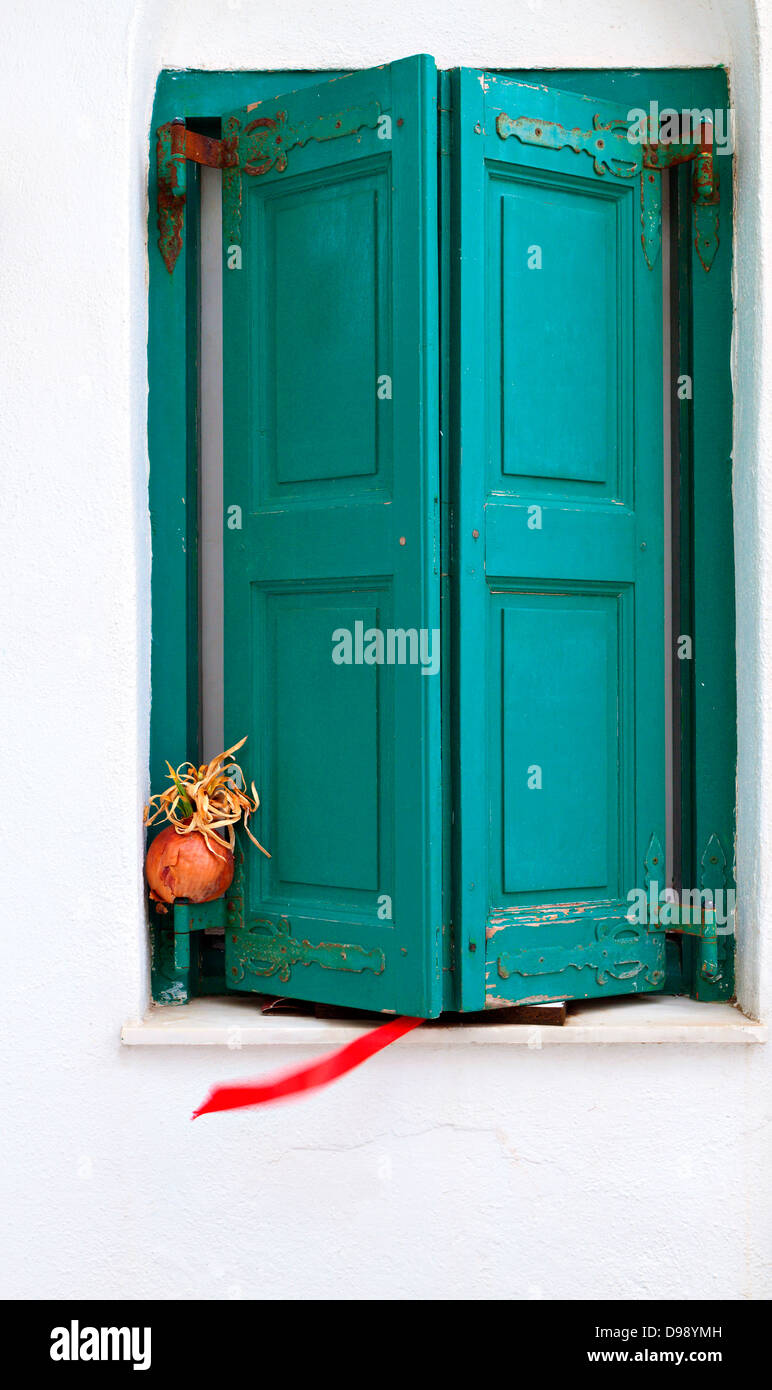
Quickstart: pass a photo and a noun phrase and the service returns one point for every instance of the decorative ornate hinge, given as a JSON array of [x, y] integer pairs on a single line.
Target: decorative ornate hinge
[[613, 152], [257, 148], [260, 146], [617, 953], [603, 941], [654, 862], [265, 141], [608, 145], [268, 948], [695, 914]]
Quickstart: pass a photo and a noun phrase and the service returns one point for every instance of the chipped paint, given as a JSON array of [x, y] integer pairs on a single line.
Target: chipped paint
[[604, 911], [705, 187], [651, 215], [599, 944], [607, 144], [268, 948]]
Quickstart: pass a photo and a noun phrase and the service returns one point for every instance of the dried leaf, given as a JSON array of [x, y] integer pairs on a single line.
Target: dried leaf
[[207, 799]]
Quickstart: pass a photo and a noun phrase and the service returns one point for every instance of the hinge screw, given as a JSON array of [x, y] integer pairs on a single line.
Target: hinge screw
[[475, 535]]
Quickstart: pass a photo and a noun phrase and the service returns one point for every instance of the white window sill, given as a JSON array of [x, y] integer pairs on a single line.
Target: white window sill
[[237, 1023]]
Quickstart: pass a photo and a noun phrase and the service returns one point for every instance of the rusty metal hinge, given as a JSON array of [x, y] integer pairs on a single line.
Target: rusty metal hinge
[[175, 144], [697, 916], [705, 193], [259, 148], [608, 145], [261, 145], [614, 153]]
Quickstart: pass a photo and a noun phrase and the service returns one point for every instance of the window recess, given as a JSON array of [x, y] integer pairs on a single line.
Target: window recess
[[472, 838]]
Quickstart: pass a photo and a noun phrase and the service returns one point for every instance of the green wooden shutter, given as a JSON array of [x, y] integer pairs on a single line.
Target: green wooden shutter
[[560, 587], [331, 505]]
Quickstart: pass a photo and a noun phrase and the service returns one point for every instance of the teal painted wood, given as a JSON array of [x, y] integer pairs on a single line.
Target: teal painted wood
[[172, 439], [560, 559], [173, 502], [172, 434], [172, 414], [708, 681], [172, 446], [682, 952], [184, 961], [713, 669], [447, 387], [172, 407], [331, 455]]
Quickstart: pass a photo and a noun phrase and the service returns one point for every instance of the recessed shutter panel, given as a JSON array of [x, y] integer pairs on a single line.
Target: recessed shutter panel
[[331, 507], [559, 515]]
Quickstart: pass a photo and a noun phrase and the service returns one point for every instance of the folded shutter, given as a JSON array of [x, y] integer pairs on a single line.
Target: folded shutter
[[559, 517], [331, 505]]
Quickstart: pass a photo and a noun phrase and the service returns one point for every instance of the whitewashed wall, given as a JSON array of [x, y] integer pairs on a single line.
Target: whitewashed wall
[[602, 1171]]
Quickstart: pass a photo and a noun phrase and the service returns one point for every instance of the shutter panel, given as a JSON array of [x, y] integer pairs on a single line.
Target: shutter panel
[[331, 474], [560, 521]]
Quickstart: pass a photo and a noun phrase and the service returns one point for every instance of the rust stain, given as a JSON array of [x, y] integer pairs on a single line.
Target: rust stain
[[170, 164], [175, 144], [204, 150]]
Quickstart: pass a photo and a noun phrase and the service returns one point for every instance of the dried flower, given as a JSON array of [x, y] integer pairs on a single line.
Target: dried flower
[[209, 799]]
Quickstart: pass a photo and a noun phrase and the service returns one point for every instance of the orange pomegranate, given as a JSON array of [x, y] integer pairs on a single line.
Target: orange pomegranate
[[183, 866]]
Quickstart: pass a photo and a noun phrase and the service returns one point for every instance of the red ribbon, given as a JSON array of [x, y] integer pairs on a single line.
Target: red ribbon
[[311, 1075]]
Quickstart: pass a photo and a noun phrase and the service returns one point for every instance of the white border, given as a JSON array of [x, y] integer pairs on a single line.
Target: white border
[[238, 1023]]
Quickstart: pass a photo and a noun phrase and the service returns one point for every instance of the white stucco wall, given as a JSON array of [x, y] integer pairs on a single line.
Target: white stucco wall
[[600, 1171]]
